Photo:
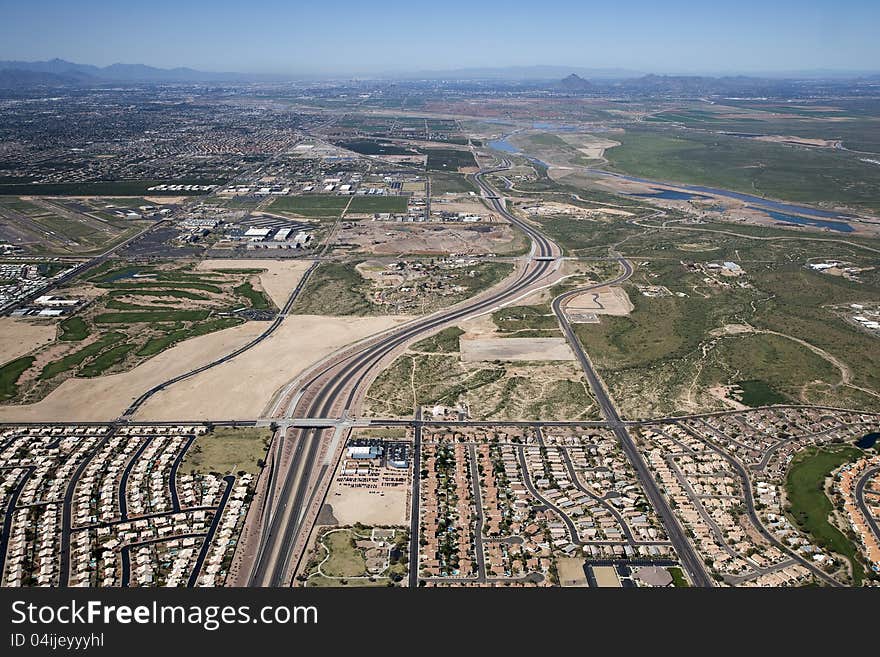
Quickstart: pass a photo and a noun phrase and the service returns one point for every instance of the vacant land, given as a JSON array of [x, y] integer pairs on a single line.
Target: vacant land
[[487, 389], [227, 450], [241, 387], [135, 312], [106, 397], [20, 336], [571, 572], [384, 238], [277, 277], [601, 301], [809, 505], [515, 349], [380, 288], [674, 354]]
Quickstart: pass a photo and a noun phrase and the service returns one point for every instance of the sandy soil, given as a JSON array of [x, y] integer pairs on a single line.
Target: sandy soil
[[802, 141], [571, 572], [19, 336], [242, 387], [464, 204], [606, 577], [106, 397], [540, 349], [279, 279], [382, 238], [369, 507], [601, 301]]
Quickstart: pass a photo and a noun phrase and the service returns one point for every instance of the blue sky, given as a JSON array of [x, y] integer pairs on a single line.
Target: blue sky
[[375, 36]]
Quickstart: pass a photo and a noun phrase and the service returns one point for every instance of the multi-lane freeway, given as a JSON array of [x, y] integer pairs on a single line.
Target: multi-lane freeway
[[337, 385]]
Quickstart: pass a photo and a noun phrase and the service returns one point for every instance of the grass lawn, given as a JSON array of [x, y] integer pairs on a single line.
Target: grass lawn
[[256, 298], [810, 506], [345, 559], [227, 450], [678, 578], [162, 342], [152, 316], [74, 329], [9, 374], [73, 360]]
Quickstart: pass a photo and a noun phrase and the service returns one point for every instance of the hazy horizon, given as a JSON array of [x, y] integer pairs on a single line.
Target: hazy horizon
[[269, 37]]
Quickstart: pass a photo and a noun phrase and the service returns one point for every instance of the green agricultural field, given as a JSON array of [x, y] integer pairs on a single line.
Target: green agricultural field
[[374, 204], [450, 183], [311, 205], [447, 159], [810, 507], [228, 450], [805, 175], [859, 128]]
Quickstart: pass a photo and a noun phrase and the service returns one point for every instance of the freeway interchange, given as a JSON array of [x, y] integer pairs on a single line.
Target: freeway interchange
[[301, 469]]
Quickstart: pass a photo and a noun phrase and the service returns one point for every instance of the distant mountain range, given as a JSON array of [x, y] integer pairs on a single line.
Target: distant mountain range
[[513, 73], [575, 80], [57, 72]]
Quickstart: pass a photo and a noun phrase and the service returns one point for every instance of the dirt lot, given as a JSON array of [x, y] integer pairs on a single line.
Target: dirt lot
[[601, 301], [571, 572], [241, 388], [279, 279], [606, 577], [515, 349], [386, 238], [106, 397], [368, 507], [466, 204], [19, 336]]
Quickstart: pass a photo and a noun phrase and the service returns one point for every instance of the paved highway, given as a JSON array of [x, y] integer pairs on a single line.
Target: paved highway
[[337, 386]]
